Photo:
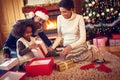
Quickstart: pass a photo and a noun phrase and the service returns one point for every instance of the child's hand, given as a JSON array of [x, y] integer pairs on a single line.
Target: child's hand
[[33, 46], [37, 38]]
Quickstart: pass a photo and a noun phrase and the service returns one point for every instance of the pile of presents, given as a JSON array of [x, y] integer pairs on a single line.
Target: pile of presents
[[36, 67], [103, 40], [45, 65]]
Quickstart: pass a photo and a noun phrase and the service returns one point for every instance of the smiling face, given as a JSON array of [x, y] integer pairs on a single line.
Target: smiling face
[[27, 33], [65, 12], [38, 20]]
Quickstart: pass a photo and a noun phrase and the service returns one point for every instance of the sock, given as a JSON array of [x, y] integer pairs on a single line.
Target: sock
[[88, 66], [104, 68]]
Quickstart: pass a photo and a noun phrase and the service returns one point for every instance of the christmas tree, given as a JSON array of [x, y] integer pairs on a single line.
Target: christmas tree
[[102, 17]]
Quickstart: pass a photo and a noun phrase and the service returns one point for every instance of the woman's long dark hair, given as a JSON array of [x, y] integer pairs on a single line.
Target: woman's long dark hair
[[68, 4]]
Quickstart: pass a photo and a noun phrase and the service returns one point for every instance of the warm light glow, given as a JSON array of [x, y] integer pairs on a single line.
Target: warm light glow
[[51, 24]]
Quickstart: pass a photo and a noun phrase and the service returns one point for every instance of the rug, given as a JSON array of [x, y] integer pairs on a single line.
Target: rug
[[76, 73]]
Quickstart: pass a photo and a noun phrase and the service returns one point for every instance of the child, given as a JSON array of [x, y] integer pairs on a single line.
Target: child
[[25, 44]]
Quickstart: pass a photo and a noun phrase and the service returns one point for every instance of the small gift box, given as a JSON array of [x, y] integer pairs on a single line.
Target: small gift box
[[63, 65], [114, 42], [41, 50], [40, 66], [100, 41], [115, 36], [11, 75], [9, 64]]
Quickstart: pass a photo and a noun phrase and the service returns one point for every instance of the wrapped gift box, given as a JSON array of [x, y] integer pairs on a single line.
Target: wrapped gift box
[[100, 41], [41, 50], [114, 42], [115, 36], [63, 65], [10, 75], [9, 64], [40, 66]]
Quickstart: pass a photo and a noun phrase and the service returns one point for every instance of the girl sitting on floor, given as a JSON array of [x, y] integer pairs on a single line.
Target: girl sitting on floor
[[25, 44]]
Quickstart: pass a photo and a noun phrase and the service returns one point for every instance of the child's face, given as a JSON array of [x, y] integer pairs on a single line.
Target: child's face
[[65, 13], [27, 33]]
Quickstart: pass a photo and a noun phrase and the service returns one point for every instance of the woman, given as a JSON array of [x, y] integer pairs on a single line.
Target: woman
[[71, 28]]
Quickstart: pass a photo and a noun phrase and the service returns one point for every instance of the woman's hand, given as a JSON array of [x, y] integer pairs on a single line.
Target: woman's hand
[[93, 47], [66, 50], [50, 49]]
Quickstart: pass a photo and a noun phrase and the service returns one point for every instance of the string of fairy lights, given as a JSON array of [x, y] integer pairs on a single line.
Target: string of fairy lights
[[102, 17]]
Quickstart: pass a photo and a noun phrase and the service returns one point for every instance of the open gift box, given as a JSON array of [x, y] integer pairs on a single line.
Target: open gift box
[[41, 51], [40, 66], [11, 75], [9, 64]]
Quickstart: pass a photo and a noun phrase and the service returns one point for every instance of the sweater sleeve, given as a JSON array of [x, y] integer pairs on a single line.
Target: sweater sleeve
[[59, 36], [82, 33], [9, 44], [22, 50]]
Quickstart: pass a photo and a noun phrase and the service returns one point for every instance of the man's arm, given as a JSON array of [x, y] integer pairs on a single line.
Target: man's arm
[[9, 44], [45, 38]]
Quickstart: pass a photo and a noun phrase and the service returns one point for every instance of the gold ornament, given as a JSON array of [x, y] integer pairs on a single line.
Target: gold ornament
[[93, 2], [90, 4], [93, 13], [107, 10], [90, 14], [119, 14], [115, 12], [111, 9], [98, 15], [102, 13]]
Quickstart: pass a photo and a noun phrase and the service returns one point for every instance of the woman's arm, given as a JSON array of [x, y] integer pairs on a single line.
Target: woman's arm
[[82, 33], [59, 35]]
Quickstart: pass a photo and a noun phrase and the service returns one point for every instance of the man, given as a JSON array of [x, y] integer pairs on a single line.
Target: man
[[39, 15]]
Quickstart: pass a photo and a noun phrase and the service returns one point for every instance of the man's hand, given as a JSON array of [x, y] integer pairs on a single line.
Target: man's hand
[[6, 55]]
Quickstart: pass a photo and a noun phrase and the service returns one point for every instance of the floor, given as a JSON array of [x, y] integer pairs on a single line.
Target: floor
[[113, 49]]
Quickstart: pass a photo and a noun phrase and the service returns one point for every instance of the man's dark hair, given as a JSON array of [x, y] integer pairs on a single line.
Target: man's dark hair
[[68, 4]]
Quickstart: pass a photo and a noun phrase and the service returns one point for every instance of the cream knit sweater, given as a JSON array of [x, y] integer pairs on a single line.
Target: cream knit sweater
[[72, 31]]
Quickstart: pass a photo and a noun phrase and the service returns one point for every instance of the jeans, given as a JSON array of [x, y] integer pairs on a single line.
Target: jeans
[[13, 53]]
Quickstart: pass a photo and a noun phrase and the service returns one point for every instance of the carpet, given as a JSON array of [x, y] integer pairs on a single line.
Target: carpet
[[76, 73]]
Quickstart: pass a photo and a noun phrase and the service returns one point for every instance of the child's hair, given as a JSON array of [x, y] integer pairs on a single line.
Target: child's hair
[[68, 4], [19, 28]]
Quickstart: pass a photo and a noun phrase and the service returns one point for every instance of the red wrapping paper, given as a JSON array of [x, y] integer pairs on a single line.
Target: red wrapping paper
[[115, 36], [40, 67]]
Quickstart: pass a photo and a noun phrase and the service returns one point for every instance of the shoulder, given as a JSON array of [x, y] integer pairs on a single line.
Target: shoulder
[[60, 17], [20, 39], [79, 16]]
